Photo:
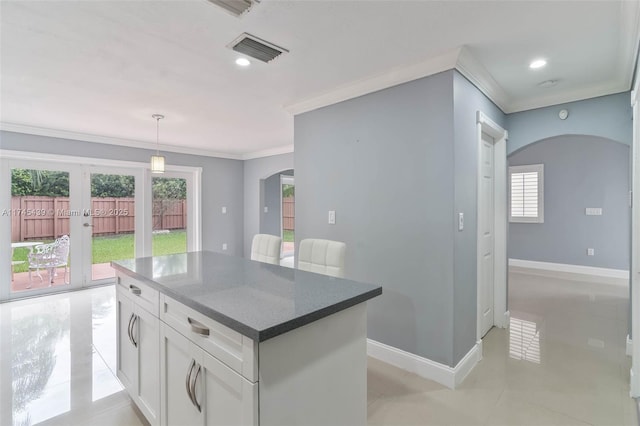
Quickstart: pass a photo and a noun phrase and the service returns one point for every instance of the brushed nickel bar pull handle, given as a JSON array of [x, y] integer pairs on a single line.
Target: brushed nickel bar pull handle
[[198, 327], [193, 389], [135, 290], [188, 380], [133, 325], [129, 328]]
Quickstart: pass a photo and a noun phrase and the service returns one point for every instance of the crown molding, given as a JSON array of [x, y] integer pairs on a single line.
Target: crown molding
[[478, 75], [629, 40], [87, 137], [608, 88], [371, 84], [286, 149]]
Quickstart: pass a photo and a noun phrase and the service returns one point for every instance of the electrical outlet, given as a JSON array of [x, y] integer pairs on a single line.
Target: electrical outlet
[[224, 246], [224, 210], [593, 211], [591, 252], [266, 209], [332, 217]]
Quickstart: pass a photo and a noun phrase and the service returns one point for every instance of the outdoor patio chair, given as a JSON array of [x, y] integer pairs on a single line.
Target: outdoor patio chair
[[50, 257], [322, 256], [266, 248]]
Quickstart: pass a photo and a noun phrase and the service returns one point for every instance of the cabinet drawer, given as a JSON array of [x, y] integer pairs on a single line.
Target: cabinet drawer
[[228, 346], [143, 295]]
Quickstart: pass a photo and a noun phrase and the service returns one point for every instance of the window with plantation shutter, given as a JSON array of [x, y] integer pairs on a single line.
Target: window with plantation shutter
[[526, 185]]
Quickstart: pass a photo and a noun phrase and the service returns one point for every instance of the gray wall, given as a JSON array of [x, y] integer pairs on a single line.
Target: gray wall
[[255, 172], [399, 226], [607, 116], [271, 222], [222, 181], [467, 101], [579, 172]]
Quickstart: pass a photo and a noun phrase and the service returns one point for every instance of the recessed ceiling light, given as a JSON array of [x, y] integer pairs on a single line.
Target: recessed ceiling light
[[538, 63], [243, 62]]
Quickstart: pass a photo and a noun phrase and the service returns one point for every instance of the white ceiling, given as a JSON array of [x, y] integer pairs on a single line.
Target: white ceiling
[[98, 70]]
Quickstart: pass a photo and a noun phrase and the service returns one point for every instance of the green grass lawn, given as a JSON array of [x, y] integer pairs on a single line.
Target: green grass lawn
[[288, 236], [115, 247]]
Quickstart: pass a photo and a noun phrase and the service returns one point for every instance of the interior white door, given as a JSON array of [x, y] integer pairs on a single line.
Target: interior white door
[[486, 233]]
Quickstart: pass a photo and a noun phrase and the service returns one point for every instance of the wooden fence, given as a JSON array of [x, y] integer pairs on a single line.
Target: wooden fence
[[288, 213], [40, 218]]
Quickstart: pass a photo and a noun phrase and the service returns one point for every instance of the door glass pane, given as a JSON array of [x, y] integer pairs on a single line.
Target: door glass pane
[[169, 215], [113, 222], [40, 234]]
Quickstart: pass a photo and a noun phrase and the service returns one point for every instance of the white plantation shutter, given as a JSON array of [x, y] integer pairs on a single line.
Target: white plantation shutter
[[525, 193]]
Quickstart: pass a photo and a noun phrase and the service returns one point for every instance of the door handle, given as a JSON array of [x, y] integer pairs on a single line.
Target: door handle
[[188, 380], [135, 290], [193, 389], [87, 225], [198, 327]]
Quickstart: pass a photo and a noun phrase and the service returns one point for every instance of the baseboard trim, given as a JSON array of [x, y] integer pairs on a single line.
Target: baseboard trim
[[629, 348], [450, 377], [570, 272]]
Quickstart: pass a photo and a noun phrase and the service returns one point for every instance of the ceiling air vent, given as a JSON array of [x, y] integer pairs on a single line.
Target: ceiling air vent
[[235, 7], [256, 48]]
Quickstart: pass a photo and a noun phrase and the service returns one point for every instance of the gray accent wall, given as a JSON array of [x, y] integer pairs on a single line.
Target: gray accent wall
[[467, 101], [222, 181], [271, 221], [255, 173], [394, 166], [607, 116], [579, 172]]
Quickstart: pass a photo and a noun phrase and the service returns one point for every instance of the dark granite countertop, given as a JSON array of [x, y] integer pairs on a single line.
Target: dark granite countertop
[[256, 299]]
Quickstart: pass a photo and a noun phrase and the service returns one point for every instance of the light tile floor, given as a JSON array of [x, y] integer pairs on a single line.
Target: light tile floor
[[562, 362]]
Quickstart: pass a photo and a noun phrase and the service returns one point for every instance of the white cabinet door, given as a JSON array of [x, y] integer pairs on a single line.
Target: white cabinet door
[[178, 368], [127, 364], [229, 399], [146, 333]]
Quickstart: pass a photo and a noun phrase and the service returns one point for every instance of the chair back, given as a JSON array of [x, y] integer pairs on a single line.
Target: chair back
[[266, 248], [61, 250], [322, 256]]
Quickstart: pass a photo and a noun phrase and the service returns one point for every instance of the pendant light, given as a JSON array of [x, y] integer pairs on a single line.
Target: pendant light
[[157, 161]]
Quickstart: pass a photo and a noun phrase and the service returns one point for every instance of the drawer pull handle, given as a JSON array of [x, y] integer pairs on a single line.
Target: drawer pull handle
[[135, 290], [193, 389], [188, 380], [198, 327]]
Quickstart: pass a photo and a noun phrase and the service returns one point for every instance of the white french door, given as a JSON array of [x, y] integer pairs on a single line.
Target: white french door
[[112, 219], [104, 207], [41, 244]]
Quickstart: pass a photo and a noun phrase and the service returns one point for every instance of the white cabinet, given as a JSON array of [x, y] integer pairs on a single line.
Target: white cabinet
[[198, 389], [138, 355], [183, 368]]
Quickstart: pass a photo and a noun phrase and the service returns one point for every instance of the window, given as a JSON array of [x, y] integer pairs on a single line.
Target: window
[[526, 187]]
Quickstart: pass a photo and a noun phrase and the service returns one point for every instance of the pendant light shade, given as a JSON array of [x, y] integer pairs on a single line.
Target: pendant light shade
[[157, 164], [157, 161]]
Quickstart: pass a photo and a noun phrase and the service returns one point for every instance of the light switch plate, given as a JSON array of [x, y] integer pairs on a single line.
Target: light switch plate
[[591, 252], [266, 209], [224, 210], [224, 246], [332, 217], [460, 221]]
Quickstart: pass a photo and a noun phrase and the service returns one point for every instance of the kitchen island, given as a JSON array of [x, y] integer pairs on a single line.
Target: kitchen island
[[210, 339]]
